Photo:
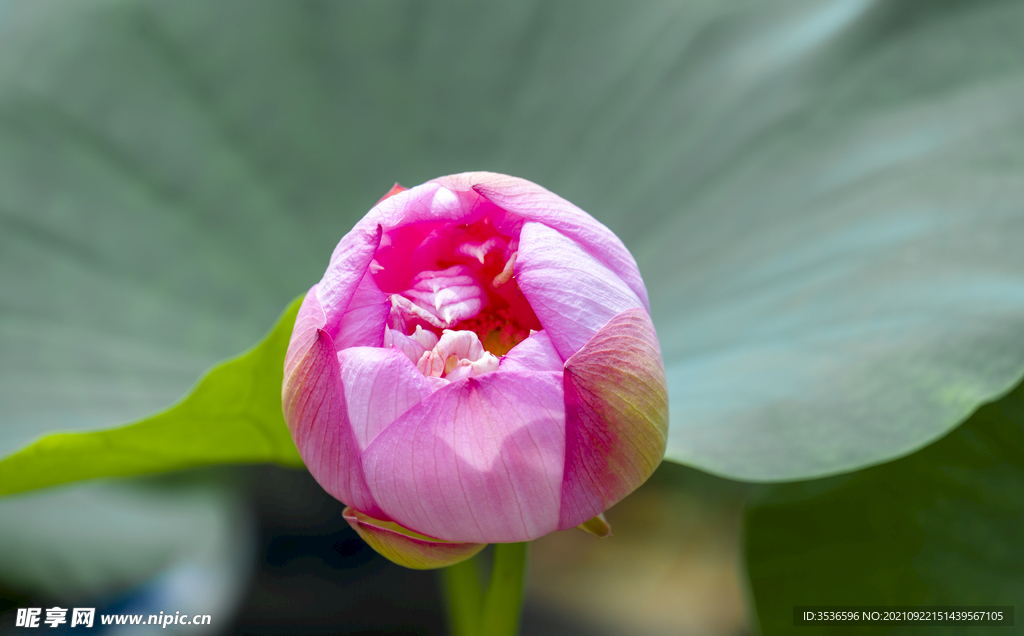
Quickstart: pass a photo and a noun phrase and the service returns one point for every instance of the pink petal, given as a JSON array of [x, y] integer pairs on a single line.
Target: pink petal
[[534, 203], [462, 347], [407, 548], [427, 203], [412, 346], [362, 324], [325, 303], [458, 199], [379, 385], [308, 323], [465, 350], [536, 353], [445, 297], [480, 460], [572, 292], [407, 312], [349, 262], [314, 408], [488, 363], [616, 409]]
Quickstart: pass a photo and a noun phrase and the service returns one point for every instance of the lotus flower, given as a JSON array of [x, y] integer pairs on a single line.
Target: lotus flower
[[477, 365]]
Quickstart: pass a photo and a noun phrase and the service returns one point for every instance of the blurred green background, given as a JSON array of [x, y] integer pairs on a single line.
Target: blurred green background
[[824, 198]]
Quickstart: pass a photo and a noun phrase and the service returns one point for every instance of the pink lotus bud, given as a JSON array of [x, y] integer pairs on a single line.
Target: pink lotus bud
[[477, 365]]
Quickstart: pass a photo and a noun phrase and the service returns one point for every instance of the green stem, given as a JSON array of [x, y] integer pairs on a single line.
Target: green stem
[[500, 615], [463, 597], [472, 613]]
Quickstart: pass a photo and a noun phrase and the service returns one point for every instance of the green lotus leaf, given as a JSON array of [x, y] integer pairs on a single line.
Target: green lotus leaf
[[233, 415], [823, 195], [940, 527]]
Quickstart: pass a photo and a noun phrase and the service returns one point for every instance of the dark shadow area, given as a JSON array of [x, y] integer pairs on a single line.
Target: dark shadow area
[[314, 574]]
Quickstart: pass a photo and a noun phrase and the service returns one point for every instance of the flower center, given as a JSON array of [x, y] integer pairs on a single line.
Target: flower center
[[455, 304]]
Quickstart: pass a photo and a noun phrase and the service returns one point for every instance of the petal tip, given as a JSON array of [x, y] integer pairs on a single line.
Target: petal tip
[[597, 526], [395, 189]]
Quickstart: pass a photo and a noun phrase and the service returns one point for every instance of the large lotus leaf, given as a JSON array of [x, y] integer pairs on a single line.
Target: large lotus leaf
[[823, 195], [845, 282], [940, 527]]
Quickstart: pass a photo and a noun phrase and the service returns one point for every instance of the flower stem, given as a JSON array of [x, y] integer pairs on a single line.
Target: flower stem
[[500, 616], [463, 597], [496, 613]]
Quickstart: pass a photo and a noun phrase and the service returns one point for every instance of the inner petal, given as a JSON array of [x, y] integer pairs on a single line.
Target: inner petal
[[454, 277], [413, 345], [443, 298], [457, 355]]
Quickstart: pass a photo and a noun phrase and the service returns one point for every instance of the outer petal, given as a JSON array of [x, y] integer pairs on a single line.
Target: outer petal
[[362, 324], [534, 203], [314, 407], [324, 306], [616, 410], [427, 203], [308, 323], [349, 263], [536, 353], [480, 460], [407, 548], [573, 293], [379, 385]]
